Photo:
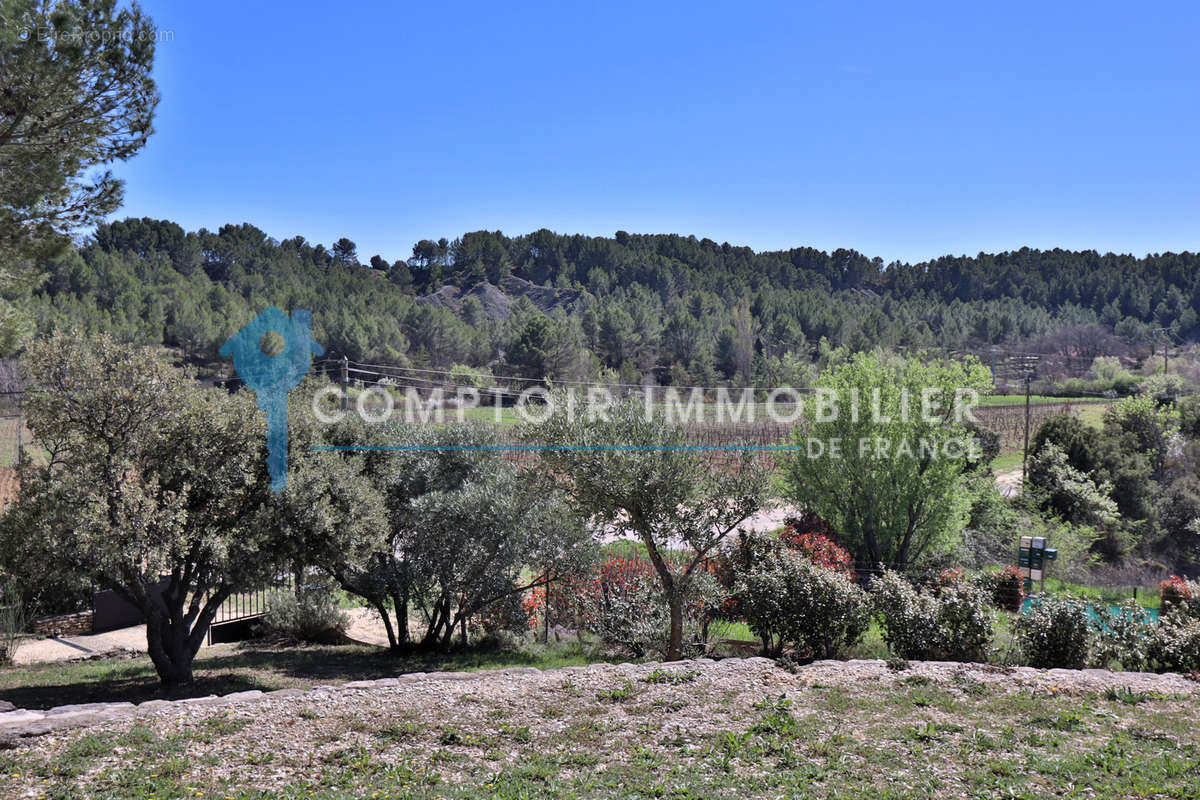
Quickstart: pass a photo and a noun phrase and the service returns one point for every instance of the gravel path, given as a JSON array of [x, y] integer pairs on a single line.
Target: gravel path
[[67, 648]]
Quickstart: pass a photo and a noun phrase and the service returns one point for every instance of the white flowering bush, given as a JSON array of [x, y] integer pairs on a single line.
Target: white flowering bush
[[1175, 645], [1056, 632], [952, 622], [789, 602]]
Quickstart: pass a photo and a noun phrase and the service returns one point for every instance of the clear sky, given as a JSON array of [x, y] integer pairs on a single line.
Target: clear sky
[[903, 130]]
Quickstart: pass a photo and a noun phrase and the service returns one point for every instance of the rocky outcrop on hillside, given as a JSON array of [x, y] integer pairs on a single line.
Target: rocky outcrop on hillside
[[497, 301]]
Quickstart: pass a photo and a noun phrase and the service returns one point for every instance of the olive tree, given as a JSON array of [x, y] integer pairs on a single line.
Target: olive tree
[[627, 470], [432, 521], [147, 477]]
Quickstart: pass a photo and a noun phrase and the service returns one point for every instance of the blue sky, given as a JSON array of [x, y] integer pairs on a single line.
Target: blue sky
[[905, 131]]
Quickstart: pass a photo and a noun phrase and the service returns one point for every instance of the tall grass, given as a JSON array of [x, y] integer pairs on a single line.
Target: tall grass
[[12, 621]]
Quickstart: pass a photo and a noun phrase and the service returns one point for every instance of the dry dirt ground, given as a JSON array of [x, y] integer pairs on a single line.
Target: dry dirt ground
[[734, 728], [1009, 483]]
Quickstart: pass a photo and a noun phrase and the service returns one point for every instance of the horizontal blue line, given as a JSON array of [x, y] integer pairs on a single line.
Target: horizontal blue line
[[548, 447]]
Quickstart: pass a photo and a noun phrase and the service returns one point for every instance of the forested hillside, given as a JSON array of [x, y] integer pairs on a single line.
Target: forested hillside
[[679, 309]]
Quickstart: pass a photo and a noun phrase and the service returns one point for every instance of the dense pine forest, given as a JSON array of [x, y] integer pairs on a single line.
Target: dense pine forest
[[631, 307]]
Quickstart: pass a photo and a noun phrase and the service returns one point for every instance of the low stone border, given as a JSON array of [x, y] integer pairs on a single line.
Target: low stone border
[[21, 723], [78, 624]]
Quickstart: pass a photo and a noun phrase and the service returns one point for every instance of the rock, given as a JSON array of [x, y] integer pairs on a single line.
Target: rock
[[155, 705], [6, 706], [866, 662], [241, 697], [87, 708], [24, 730], [80, 719], [19, 716]]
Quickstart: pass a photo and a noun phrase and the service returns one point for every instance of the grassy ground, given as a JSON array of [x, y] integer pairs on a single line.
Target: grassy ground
[[675, 736], [1092, 413], [1019, 399], [1147, 596], [228, 668], [1007, 461], [1089, 412]]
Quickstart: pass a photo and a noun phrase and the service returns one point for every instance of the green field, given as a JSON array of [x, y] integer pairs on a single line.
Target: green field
[[1019, 399]]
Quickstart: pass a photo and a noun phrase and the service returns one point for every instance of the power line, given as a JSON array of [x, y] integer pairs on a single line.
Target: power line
[[574, 382]]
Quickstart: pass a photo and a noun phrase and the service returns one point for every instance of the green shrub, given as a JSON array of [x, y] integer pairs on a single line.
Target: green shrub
[[623, 603], [952, 622], [312, 617], [502, 623], [1057, 632], [1175, 645], [790, 602], [1123, 635]]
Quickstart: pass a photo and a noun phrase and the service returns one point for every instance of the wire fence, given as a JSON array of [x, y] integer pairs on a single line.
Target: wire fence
[[758, 427], [15, 437]]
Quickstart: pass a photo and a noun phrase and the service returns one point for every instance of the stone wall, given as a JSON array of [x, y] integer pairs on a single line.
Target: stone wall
[[79, 624]]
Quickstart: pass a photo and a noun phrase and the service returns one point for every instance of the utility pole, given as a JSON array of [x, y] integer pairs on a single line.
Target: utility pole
[[1025, 451], [1028, 364], [1166, 334], [345, 382]]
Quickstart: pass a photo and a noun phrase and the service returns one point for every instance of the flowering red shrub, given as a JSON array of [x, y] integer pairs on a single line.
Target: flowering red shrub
[[621, 601], [1175, 592], [534, 603], [810, 523], [576, 599], [1006, 588], [951, 576], [818, 547]]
